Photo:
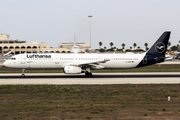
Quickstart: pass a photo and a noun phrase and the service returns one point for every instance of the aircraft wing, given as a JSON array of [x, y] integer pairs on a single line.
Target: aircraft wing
[[94, 64]]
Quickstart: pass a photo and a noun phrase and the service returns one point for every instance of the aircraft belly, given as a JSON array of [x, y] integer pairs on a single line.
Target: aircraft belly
[[121, 64], [41, 64], [20, 65]]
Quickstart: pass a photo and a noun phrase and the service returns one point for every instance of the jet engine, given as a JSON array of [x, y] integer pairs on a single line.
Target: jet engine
[[72, 70]]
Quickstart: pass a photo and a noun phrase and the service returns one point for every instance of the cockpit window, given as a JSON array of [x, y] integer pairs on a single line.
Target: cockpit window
[[12, 58]]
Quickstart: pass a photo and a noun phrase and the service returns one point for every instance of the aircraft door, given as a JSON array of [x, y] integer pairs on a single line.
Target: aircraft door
[[57, 61], [23, 62], [22, 59]]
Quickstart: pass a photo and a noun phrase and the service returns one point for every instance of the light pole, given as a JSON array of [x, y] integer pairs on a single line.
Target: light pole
[[90, 28]]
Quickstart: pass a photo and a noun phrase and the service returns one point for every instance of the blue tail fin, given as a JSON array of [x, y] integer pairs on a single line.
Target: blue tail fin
[[160, 46], [156, 53]]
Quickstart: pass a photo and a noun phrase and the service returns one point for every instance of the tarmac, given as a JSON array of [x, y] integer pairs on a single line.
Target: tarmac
[[98, 78]]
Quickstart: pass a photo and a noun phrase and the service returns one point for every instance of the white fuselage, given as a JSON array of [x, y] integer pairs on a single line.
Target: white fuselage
[[55, 60]]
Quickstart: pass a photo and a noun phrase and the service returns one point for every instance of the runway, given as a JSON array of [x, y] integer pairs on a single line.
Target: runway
[[98, 78]]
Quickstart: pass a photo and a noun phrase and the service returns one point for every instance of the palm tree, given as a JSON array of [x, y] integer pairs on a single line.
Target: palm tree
[[178, 47], [138, 47], [178, 44], [100, 43], [134, 45], [146, 45], [123, 45], [130, 47], [169, 43], [111, 44]]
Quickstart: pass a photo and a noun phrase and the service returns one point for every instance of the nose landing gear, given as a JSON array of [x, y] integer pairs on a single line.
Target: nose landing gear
[[23, 73]]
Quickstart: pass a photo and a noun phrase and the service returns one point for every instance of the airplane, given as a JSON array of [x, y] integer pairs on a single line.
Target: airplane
[[75, 49], [169, 57], [84, 63]]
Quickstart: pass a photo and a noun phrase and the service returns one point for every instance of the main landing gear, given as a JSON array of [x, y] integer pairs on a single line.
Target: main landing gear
[[23, 71], [88, 73]]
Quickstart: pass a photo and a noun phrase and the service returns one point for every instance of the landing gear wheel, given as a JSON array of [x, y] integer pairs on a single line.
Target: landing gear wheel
[[88, 74], [23, 75]]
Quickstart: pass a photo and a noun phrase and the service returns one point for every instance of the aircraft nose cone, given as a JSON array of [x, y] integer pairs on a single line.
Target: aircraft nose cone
[[8, 64], [5, 63]]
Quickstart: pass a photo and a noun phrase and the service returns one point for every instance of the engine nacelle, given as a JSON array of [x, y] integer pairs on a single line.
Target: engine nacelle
[[72, 70]]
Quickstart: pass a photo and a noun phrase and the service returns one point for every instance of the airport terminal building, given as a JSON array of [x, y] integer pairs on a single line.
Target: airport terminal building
[[19, 47]]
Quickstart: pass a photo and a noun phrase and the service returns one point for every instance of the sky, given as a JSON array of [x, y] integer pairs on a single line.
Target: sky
[[117, 21]]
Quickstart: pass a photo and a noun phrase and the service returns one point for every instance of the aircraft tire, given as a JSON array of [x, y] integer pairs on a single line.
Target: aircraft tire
[[23, 75], [88, 74]]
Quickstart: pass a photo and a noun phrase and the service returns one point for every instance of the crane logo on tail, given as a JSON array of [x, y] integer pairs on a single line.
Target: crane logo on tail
[[160, 47]]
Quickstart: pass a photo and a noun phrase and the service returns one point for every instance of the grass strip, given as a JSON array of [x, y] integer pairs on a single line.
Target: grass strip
[[125, 101]]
